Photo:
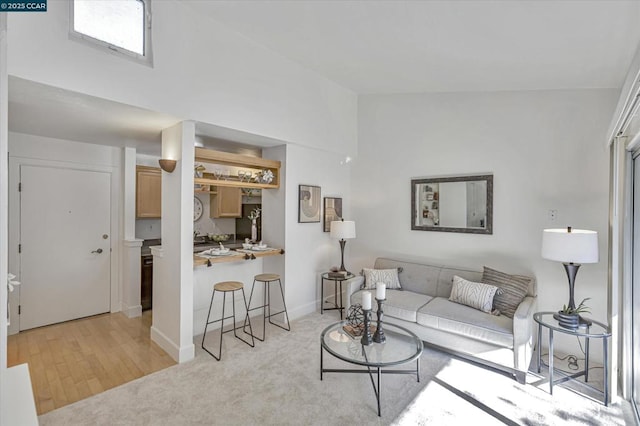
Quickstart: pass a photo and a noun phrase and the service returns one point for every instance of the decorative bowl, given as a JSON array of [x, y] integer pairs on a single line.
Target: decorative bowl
[[219, 237]]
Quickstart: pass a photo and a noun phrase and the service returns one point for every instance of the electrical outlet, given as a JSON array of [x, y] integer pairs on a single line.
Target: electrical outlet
[[553, 215]]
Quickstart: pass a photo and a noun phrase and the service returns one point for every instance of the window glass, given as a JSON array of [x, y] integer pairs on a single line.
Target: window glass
[[119, 23]]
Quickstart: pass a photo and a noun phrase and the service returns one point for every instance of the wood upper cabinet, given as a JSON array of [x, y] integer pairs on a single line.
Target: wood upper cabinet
[[148, 192], [226, 202]]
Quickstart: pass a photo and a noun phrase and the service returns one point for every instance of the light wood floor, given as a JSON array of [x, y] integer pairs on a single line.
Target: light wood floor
[[76, 359]]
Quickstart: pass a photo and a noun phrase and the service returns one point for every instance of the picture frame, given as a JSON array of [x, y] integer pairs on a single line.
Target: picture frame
[[332, 211], [309, 204]]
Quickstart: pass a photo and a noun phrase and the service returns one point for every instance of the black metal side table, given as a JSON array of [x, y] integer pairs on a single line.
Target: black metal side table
[[337, 300], [596, 330]]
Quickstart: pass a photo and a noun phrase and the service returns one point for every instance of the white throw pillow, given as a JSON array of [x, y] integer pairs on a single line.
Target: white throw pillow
[[476, 295], [387, 276]]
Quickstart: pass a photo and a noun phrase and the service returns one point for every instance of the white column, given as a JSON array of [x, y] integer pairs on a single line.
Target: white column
[[131, 305], [129, 192], [173, 265]]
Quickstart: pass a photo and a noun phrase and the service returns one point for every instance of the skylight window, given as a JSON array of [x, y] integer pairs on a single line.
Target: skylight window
[[120, 25]]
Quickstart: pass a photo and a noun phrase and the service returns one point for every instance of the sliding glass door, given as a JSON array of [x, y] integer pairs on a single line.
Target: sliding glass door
[[635, 315]]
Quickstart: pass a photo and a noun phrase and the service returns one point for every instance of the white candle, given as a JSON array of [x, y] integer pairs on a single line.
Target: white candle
[[366, 301], [381, 291]]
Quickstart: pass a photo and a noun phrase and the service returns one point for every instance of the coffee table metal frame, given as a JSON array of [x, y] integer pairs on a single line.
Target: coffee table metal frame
[[390, 331], [600, 331]]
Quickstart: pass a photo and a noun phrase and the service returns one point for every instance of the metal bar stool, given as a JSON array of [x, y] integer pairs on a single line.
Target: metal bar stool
[[225, 287], [266, 304]]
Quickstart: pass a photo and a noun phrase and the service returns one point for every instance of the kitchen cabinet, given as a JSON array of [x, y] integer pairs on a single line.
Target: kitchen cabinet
[[148, 192], [226, 202]]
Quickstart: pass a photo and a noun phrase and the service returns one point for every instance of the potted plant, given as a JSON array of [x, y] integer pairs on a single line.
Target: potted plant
[[570, 317]]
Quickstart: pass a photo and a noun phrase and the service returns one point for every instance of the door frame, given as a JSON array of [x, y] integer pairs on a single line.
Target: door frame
[[14, 226]]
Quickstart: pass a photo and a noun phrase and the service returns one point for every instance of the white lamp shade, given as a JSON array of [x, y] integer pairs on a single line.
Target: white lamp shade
[[343, 229], [577, 246]]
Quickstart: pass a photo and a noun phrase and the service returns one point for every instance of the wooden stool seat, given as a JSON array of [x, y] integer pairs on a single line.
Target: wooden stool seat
[[228, 286], [267, 277]]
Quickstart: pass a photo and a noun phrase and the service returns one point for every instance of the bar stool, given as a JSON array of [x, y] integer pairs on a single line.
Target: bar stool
[[225, 287], [267, 279]]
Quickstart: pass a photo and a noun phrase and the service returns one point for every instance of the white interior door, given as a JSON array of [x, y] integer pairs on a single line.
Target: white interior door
[[65, 259]]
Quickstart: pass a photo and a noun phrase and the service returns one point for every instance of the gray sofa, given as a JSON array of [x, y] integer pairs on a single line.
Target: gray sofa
[[423, 306]]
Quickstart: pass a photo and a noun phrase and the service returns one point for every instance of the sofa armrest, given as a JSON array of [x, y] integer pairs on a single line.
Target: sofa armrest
[[352, 285], [523, 333]]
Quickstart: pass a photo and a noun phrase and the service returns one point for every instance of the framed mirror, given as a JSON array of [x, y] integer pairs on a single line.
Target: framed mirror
[[453, 204]]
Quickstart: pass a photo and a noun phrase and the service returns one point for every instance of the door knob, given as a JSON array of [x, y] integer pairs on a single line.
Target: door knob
[[97, 251]]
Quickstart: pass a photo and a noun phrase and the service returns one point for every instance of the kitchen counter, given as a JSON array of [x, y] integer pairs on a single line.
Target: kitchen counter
[[238, 255]]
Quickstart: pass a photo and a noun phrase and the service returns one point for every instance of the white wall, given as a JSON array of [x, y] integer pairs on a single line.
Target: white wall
[[545, 150], [309, 250], [202, 71]]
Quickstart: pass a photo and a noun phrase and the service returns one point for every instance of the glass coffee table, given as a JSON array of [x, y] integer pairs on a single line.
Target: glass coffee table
[[401, 347]]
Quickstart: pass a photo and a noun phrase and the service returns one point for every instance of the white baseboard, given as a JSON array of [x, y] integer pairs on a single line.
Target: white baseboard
[[179, 354], [132, 311]]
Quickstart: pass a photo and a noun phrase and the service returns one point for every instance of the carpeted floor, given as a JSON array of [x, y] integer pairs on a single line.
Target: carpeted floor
[[278, 383]]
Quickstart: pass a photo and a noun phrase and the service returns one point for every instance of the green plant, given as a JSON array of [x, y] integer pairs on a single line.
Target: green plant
[[581, 308]]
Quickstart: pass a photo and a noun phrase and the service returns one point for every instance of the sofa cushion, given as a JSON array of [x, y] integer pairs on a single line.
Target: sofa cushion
[[432, 279], [445, 315], [513, 288], [472, 294], [387, 276], [399, 304]]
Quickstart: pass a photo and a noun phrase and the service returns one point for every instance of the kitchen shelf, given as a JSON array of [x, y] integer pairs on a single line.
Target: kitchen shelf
[[225, 158], [234, 183]]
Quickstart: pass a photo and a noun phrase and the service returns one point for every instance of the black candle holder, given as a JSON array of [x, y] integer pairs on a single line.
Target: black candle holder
[[366, 333], [379, 336]]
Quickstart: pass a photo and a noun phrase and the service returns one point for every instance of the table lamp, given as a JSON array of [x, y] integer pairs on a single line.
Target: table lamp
[[572, 247], [343, 230]]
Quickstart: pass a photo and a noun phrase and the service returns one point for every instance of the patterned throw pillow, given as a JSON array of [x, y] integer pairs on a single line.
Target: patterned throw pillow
[[476, 295], [387, 276], [513, 289]]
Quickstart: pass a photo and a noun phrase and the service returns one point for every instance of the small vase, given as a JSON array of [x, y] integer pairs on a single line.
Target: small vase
[[254, 230]]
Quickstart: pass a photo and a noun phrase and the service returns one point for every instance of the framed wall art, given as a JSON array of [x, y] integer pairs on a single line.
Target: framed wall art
[[332, 211], [308, 204]]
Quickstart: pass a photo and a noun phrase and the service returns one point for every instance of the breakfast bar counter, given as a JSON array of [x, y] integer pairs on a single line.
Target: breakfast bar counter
[[236, 265], [238, 255]]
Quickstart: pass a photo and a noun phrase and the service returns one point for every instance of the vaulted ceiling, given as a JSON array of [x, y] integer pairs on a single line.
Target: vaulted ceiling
[[442, 46], [379, 47]]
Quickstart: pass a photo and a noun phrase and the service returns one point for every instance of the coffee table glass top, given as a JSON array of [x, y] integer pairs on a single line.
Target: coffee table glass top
[[400, 347]]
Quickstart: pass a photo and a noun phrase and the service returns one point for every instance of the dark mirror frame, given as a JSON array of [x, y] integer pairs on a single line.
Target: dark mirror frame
[[488, 229]]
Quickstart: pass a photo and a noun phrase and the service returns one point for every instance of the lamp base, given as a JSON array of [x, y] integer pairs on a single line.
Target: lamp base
[[571, 321], [342, 243]]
